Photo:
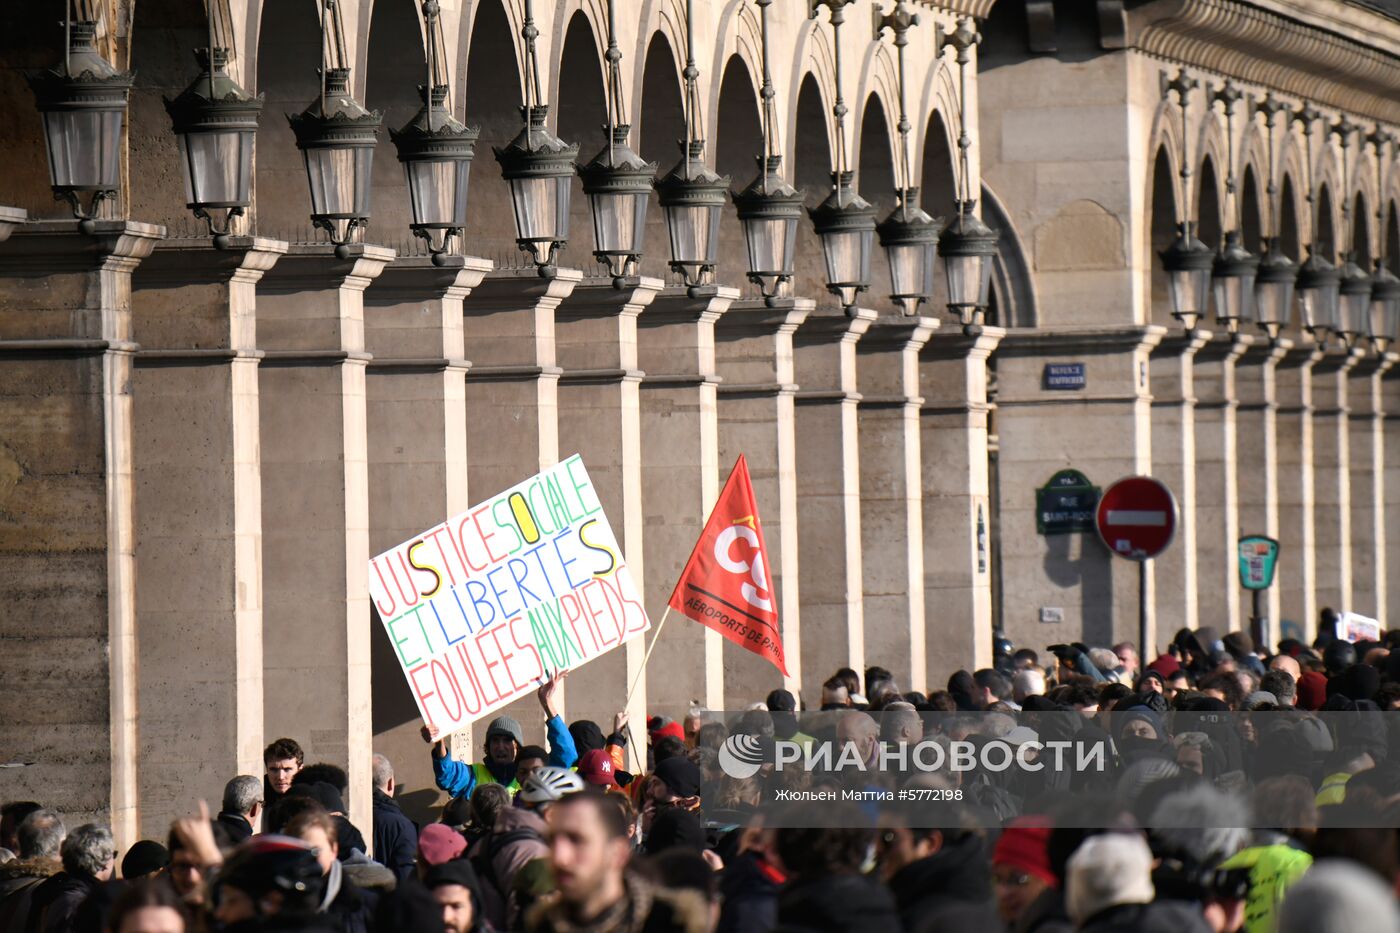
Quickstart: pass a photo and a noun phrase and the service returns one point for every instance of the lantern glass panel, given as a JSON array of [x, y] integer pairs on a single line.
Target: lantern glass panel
[[911, 269], [1189, 292], [1234, 297], [1273, 302], [848, 256], [1319, 306], [1355, 312], [619, 221], [84, 148], [770, 243], [339, 180], [541, 206], [438, 191], [969, 280], [218, 167], [694, 232]]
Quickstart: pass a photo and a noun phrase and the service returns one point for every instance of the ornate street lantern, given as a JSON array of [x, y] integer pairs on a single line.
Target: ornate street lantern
[[909, 236], [216, 121], [83, 103], [1273, 290], [968, 246], [1318, 288], [846, 224], [1232, 279], [436, 152], [539, 168], [337, 137], [1188, 263], [769, 209], [691, 198], [1385, 309], [1354, 308]]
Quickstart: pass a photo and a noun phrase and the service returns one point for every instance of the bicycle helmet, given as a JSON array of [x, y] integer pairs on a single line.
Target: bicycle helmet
[[548, 784]]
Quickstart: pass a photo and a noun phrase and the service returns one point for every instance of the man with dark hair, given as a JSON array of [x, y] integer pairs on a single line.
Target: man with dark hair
[[243, 804], [1282, 685], [852, 681], [992, 687], [939, 877], [835, 694], [825, 889], [282, 759], [504, 741], [589, 851], [11, 815], [1025, 659]]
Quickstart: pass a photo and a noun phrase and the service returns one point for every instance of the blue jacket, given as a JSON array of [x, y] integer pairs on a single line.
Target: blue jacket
[[460, 779], [395, 836]]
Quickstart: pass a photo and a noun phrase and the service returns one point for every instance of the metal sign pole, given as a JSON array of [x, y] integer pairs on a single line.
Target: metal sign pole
[[1143, 648]]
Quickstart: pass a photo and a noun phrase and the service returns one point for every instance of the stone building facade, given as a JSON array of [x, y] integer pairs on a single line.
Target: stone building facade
[[200, 448]]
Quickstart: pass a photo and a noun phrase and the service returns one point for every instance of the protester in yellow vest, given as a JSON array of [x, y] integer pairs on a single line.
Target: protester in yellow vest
[[503, 744]]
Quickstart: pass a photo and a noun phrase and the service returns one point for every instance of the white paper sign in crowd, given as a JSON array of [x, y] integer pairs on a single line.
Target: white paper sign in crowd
[[484, 607]]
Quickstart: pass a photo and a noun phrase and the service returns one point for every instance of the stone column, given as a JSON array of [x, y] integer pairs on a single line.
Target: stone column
[[199, 520], [828, 488], [891, 499], [1367, 486], [1103, 430], [416, 408], [958, 513], [315, 482], [1390, 474], [1217, 516], [68, 654], [1332, 478], [1174, 463], [680, 482], [600, 419], [1297, 558], [512, 401], [754, 356], [1257, 478]]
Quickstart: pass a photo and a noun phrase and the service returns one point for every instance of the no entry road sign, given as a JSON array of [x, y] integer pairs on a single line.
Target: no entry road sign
[[1136, 517]]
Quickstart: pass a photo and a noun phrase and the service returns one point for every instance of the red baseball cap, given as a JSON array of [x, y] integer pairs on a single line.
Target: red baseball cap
[[596, 767], [440, 843]]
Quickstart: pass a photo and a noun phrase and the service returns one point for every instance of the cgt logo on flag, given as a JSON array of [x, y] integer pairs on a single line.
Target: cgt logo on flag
[[726, 583]]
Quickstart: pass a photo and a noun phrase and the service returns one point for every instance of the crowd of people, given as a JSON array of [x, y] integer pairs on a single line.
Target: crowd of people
[[1247, 790]]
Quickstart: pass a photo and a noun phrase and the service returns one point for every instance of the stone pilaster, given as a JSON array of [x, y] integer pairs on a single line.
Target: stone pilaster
[[757, 418], [1256, 443], [1297, 560], [680, 482], [68, 655], [891, 499], [959, 544], [828, 489], [1217, 516], [1105, 431], [315, 480], [1174, 463], [199, 519], [1367, 486], [600, 419], [416, 417], [512, 401], [1390, 474], [1332, 477]]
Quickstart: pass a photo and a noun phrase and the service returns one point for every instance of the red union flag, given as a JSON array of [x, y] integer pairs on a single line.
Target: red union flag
[[726, 584]]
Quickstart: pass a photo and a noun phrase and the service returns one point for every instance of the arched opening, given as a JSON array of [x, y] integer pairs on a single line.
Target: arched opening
[[31, 39], [1208, 207], [1361, 232], [1290, 237], [1251, 213], [1392, 239], [738, 141], [582, 108], [165, 34], [289, 59], [660, 126], [1163, 232], [938, 193], [394, 68], [1324, 236], [812, 173], [877, 185]]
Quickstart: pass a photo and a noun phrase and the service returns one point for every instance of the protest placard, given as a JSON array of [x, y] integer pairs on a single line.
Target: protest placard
[[484, 607], [1352, 626]]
